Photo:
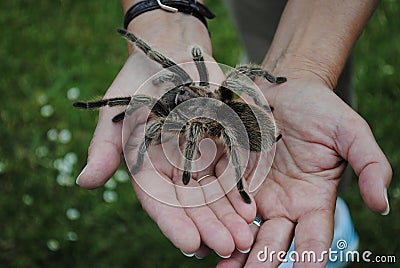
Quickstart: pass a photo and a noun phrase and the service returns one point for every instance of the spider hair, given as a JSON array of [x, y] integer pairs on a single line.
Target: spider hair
[[261, 137]]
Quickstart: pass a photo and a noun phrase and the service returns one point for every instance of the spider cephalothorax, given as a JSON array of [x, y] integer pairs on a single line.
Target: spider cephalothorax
[[256, 118]]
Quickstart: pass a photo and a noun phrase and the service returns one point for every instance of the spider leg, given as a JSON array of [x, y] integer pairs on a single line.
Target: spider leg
[[138, 101], [200, 65], [119, 117], [100, 103], [278, 137], [157, 56], [169, 77], [254, 71], [152, 132], [234, 84], [230, 142], [194, 132]]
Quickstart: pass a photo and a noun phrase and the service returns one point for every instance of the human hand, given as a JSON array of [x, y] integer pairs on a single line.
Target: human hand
[[320, 133], [221, 225]]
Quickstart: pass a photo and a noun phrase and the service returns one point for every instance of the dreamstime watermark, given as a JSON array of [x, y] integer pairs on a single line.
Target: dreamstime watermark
[[309, 256]]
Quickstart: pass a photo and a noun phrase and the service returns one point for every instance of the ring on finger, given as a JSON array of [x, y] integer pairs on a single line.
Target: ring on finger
[[204, 177], [258, 221]]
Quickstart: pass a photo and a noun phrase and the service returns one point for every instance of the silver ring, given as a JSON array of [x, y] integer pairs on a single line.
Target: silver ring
[[258, 222], [202, 178]]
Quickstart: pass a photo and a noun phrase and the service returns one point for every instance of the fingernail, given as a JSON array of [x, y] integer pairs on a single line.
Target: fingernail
[[244, 251], [198, 257], [83, 171], [224, 257], [386, 212], [189, 255]]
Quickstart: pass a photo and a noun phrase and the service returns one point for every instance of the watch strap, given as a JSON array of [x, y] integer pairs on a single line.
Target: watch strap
[[191, 7]]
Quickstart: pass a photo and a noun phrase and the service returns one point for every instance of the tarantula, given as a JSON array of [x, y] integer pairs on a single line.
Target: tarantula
[[260, 136]]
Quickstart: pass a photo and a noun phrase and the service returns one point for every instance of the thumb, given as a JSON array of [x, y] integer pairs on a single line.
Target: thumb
[[371, 166], [104, 152]]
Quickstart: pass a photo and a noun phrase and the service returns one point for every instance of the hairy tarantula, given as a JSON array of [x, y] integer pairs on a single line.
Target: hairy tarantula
[[260, 136]]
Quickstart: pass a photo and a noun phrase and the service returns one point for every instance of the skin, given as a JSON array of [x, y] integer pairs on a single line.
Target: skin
[[222, 225], [299, 196], [320, 133]]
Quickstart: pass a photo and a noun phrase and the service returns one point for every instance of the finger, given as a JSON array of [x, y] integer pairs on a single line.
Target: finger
[[238, 259], [104, 152], [202, 252], [226, 177], [224, 211], [106, 146], [272, 242], [370, 165], [313, 238], [213, 233], [258, 169], [173, 222]]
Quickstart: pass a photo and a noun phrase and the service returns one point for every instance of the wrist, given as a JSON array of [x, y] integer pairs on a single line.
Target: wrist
[[314, 38], [168, 31], [301, 65], [127, 4]]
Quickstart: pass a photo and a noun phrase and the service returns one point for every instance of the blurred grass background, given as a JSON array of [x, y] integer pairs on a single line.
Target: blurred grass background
[[53, 52]]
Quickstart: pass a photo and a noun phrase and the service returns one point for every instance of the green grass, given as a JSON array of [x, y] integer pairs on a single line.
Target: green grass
[[49, 47]]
